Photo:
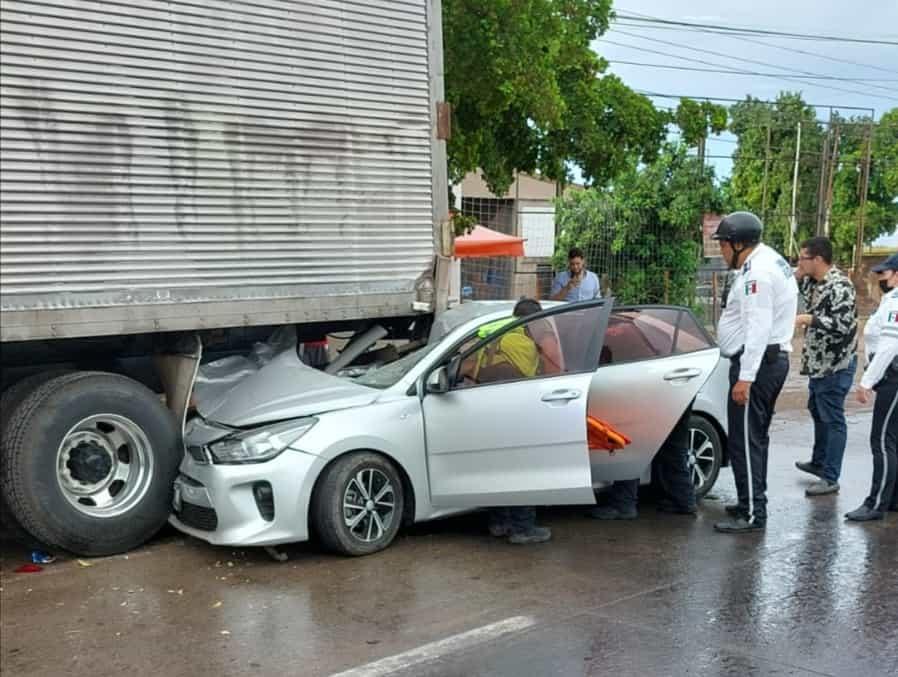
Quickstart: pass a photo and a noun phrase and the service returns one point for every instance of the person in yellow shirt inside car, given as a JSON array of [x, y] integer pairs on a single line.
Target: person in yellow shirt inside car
[[516, 355], [523, 352]]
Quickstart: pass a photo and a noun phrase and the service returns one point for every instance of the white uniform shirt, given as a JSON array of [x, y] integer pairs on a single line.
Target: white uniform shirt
[[760, 311], [881, 339]]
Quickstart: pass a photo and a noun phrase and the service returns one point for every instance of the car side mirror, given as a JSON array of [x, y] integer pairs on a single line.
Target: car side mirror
[[438, 381]]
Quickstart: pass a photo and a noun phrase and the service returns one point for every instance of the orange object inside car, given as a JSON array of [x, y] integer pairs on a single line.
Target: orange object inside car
[[602, 436]]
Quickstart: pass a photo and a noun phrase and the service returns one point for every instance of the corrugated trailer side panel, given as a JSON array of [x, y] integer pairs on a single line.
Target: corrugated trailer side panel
[[191, 164]]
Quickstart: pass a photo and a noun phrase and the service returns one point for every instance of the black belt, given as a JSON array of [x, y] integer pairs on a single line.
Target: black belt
[[771, 352]]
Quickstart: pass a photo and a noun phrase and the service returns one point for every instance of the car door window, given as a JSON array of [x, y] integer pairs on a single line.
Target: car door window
[[639, 334], [636, 334], [690, 335], [545, 346]]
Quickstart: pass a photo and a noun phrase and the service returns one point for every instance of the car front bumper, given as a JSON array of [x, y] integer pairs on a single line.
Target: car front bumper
[[216, 503]]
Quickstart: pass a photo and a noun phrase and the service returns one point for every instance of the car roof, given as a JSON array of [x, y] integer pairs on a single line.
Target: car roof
[[464, 313]]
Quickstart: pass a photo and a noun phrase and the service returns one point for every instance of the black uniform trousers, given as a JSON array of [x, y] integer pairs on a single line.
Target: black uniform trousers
[[884, 445], [670, 473], [749, 432], [670, 469]]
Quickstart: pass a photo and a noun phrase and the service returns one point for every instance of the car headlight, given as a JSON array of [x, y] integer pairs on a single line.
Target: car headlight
[[261, 444]]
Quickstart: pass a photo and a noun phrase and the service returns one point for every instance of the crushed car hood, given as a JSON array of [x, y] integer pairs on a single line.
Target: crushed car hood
[[285, 388]]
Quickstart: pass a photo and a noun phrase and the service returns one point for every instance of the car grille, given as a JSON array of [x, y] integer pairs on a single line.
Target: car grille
[[198, 517], [198, 454]]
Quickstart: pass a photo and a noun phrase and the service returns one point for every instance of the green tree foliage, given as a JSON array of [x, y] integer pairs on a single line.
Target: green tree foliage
[[881, 211], [698, 119], [750, 121], [645, 225], [885, 152], [528, 93]]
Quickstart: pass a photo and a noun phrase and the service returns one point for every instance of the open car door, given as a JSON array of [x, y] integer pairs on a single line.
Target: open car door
[[654, 361], [514, 435]]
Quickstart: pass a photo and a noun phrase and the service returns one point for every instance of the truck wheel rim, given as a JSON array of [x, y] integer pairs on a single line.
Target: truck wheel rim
[[701, 457], [369, 503], [104, 465]]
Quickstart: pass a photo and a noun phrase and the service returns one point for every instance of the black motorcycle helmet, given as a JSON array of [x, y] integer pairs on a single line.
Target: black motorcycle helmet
[[741, 230]]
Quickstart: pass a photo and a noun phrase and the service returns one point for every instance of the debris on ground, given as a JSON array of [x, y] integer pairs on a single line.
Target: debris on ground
[[41, 557], [84, 563], [276, 554], [29, 569]]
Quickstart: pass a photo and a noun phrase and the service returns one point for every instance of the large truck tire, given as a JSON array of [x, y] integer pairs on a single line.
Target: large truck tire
[[11, 397], [89, 460]]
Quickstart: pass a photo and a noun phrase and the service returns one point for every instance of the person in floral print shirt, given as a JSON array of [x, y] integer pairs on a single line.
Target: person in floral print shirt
[[829, 358]]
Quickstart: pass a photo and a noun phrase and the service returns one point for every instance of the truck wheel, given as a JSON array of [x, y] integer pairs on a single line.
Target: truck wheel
[[358, 504], [89, 463], [9, 402]]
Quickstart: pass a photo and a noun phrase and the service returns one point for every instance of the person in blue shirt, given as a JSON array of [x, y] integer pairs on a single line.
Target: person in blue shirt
[[576, 283]]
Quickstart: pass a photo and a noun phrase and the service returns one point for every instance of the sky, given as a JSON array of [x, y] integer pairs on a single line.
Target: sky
[[868, 19]]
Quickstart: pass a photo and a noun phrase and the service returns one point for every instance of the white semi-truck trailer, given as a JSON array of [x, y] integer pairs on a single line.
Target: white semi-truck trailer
[[183, 177]]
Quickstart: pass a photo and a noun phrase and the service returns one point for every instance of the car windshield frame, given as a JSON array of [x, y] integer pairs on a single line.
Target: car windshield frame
[[394, 371]]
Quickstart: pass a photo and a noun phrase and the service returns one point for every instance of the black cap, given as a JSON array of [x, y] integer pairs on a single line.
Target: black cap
[[890, 263], [740, 227]]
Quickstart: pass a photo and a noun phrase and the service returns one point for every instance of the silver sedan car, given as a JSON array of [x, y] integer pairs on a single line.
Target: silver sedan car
[[287, 450]]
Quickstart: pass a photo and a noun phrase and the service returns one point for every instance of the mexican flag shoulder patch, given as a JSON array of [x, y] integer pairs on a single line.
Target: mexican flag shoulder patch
[[751, 287], [893, 317]]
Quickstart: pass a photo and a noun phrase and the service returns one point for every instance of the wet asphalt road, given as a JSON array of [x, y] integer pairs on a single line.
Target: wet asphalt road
[[664, 595]]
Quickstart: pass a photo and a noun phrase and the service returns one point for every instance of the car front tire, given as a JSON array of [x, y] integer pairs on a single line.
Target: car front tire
[[358, 504]]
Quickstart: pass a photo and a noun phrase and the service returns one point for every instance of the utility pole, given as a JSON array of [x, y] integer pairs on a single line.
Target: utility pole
[[865, 183], [833, 165], [794, 219], [821, 190], [766, 171]]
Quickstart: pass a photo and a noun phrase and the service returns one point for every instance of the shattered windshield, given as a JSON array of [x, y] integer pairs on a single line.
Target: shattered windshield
[[388, 375]]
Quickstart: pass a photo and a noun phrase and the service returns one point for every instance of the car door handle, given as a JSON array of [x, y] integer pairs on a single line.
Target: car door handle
[[561, 396], [682, 374]]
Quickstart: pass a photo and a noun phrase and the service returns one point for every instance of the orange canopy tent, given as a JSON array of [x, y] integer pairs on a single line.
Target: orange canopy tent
[[482, 242]]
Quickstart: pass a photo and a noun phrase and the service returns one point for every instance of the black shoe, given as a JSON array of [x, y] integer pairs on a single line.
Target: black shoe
[[606, 512], [864, 514], [735, 510], [674, 509], [739, 525], [810, 468]]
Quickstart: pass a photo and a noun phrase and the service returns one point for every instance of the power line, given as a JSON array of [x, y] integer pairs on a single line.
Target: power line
[[756, 73], [781, 47], [756, 31], [768, 102], [736, 58]]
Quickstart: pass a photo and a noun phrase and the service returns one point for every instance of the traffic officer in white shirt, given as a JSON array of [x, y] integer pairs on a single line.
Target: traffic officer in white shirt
[[755, 332], [881, 375]]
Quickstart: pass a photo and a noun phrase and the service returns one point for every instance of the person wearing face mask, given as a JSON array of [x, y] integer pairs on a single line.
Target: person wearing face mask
[[755, 331], [881, 376]]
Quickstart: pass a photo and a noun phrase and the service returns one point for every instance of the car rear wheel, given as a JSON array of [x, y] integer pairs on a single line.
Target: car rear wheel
[[705, 454], [358, 505]]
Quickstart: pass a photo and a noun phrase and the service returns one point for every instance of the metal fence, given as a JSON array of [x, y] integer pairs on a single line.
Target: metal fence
[[628, 269]]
